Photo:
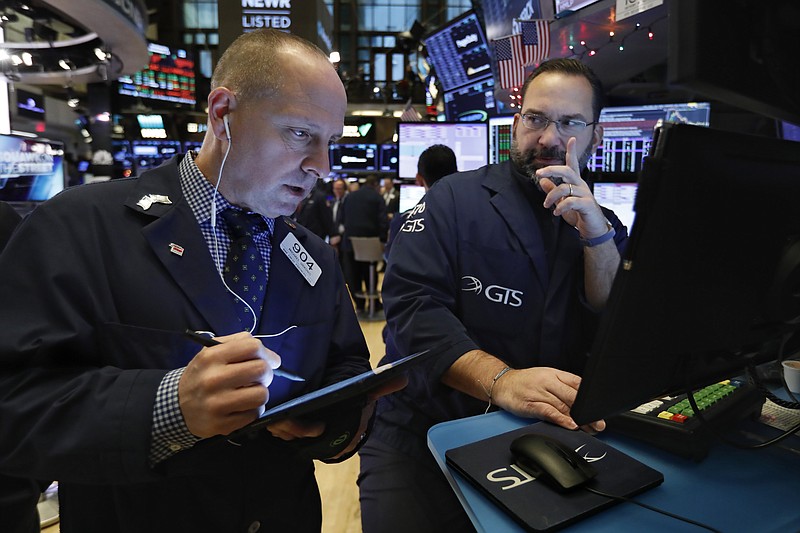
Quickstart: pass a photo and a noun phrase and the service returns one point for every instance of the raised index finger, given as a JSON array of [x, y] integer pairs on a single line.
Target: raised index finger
[[572, 155]]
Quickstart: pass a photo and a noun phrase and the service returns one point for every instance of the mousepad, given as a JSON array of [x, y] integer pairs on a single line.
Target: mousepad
[[536, 505]]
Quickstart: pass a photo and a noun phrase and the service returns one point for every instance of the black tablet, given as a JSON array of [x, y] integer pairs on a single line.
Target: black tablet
[[338, 393]]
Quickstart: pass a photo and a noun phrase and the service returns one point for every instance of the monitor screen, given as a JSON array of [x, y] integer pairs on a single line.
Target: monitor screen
[[387, 157], [692, 305], [30, 105], [149, 154], [619, 197], [31, 170], [410, 195], [469, 141], [353, 157], [628, 132], [471, 103], [458, 52], [192, 145], [789, 131], [500, 138], [168, 76]]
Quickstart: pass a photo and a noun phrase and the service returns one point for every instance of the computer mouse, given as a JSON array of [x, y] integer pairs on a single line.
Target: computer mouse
[[551, 460]]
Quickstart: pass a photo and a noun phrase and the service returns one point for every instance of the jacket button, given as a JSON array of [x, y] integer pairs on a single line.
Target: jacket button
[[255, 526]]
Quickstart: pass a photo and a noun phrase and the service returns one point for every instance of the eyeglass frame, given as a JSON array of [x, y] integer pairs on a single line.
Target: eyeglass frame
[[559, 123]]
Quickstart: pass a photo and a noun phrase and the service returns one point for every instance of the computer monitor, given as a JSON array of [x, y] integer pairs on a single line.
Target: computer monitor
[[619, 197], [789, 131], [471, 103], [500, 138], [353, 157], [410, 195], [628, 132], [710, 280], [469, 141], [31, 170], [152, 153], [387, 157]]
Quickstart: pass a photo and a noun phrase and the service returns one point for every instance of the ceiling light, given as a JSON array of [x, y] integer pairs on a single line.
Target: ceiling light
[[16, 59], [64, 63], [101, 54], [27, 58]]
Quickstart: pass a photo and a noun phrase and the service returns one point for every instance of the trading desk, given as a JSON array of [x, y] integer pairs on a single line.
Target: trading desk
[[732, 490]]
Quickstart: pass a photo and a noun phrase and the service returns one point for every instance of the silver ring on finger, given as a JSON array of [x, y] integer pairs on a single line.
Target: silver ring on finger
[[570, 189]]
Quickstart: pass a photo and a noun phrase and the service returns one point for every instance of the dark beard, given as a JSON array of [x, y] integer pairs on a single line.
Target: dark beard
[[526, 161]]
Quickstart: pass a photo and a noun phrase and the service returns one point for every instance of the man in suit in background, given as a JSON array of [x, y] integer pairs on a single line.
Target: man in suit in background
[[315, 214], [364, 216]]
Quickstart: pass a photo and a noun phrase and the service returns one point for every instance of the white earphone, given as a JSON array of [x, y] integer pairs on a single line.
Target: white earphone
[[227, 127]]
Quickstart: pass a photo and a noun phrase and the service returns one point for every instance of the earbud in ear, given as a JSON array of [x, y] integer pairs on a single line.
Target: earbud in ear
[[227, 127]]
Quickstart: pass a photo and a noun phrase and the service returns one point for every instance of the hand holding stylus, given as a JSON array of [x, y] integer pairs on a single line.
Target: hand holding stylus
[[225, 386]]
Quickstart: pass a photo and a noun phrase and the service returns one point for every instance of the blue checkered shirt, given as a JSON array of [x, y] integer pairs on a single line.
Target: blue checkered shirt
[[170, 434]]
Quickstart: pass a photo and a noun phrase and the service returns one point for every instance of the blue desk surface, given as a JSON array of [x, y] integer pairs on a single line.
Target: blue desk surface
[[732, 490]]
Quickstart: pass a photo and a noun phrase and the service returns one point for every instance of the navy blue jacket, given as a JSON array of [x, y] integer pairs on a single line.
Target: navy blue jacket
[[94, 303], [468, 270]]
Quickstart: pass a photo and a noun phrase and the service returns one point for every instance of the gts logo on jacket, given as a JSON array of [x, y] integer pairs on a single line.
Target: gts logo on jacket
[[493, 293]]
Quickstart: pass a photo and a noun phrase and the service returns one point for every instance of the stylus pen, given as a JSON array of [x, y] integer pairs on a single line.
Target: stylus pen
[[208, 342]]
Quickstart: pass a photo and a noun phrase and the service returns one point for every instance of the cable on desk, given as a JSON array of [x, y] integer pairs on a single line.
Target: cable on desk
[[651, 508]]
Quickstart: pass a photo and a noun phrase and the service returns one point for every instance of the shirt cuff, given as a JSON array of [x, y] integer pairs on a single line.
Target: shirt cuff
[[170, 434]]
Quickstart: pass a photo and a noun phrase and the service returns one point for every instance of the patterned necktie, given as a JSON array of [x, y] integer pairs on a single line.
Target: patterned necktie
[[244, 271]]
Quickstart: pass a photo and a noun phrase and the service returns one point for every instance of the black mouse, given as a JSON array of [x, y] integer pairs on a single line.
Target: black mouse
[[551, 460]]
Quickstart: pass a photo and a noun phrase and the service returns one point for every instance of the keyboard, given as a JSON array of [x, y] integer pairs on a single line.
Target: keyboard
[[671, 424]]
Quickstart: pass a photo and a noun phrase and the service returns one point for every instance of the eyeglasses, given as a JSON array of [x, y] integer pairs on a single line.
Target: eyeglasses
[[565, 126]]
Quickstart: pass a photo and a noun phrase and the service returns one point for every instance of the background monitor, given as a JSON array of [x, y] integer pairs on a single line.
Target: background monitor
[[693, 304], [151, 153], [169, 76], [410, 195], [628, 132], [789, 131], [471, 103], [500, 138], [387, 157], [30, 105], [468, 140], [353, 157], [619, 197], [458, 52], [31, 170]]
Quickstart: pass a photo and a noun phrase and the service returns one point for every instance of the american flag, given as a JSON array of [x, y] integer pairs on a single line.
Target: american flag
[[535, 41], [410, 114], [508, 51]]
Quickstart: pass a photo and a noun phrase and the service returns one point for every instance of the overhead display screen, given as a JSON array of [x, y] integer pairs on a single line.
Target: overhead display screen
[[458, 52], [169, 76]]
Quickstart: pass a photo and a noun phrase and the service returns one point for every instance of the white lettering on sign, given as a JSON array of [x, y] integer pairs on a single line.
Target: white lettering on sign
[[267, 4]]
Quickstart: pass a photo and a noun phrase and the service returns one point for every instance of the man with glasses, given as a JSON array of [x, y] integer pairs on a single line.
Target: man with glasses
[[507, 266]]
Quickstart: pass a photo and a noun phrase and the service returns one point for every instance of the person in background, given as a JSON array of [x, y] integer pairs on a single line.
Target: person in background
[[314, 213], [364, 216], [391, 197], [507, 268], [434, 163], [101, 389], [339, 189]]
